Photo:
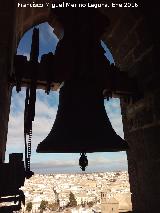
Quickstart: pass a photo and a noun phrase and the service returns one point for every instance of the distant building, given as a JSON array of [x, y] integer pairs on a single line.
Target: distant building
[[56, 196], [108, 205], [81, 198]]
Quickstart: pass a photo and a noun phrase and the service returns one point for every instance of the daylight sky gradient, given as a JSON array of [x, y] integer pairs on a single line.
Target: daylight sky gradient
[[46, 109]]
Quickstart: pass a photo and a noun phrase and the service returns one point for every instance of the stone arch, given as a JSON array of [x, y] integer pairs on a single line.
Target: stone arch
[[124, 36], [27, 20]]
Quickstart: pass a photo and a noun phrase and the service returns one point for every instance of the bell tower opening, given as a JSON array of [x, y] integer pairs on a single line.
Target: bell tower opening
[[48, 163], [46, 109]]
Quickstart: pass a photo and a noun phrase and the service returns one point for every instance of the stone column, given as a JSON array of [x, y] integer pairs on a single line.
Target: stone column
[[141, 122], [7, 26]]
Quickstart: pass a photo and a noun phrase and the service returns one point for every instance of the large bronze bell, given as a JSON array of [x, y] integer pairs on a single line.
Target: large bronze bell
[[81, 124]]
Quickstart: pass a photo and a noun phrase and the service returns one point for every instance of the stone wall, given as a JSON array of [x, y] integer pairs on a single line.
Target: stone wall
[[6, 62], [142, 125], [141, 122], [133, 38]]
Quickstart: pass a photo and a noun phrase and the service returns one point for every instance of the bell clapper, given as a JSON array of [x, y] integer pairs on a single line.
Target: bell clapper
[[83, 161]]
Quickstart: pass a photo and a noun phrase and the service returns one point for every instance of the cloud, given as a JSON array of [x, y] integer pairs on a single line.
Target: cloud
[[50, 32], [102, 160], [114, 113], [44, 119], [93, 162], [45, 115], [48, 40], [54, 163]]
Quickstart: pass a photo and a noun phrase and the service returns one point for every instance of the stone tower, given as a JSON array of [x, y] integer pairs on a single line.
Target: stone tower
[[108, 205]]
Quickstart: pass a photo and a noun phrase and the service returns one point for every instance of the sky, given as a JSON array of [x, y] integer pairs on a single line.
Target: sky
[[46, 109]]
